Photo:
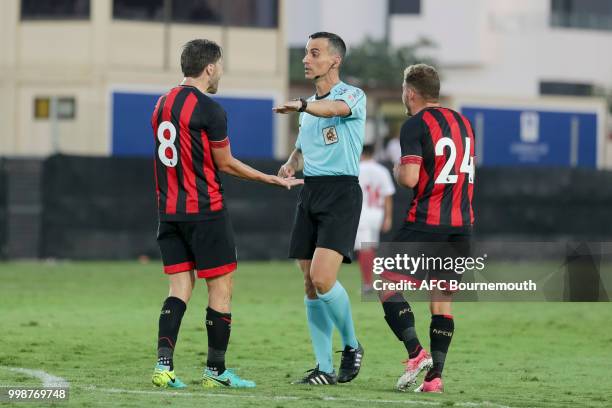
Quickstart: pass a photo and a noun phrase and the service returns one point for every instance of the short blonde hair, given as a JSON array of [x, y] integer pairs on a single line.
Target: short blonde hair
[[424, 80]]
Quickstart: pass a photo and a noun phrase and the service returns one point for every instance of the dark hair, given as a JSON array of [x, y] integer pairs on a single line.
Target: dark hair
[[368, 150], [335, 42], [424, 79], [197, 54]]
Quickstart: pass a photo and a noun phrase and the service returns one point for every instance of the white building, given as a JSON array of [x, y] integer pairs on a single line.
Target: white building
[[496, 50], [509, 48]]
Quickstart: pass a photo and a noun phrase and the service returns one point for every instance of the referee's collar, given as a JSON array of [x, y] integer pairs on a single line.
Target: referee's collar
[[317, 97]]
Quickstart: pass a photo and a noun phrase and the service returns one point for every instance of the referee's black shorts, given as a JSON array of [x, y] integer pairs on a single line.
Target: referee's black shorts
[[327, 216]]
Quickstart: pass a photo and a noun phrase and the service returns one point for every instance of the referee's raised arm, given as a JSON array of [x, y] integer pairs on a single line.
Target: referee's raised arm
[[322, 109]]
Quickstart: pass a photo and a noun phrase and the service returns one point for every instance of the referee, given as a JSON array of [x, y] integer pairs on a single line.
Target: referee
[[328, 148]]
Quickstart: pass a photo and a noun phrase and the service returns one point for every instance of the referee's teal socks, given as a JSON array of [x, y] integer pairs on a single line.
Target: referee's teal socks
[[321, 328], [339, 309]]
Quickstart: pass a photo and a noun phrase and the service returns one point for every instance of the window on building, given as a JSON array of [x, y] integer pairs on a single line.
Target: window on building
[[404, 6], [65, 107], [200, 11], [42, 107], [55, 9], [589, 14], [253, 13], [244, 13], [566, 88], [144, 10]]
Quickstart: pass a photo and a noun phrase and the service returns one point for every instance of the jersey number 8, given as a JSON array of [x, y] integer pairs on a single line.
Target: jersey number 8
[[467, 163], [167, 150]]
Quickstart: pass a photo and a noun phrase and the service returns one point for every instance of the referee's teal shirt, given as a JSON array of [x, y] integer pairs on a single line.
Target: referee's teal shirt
[[332, 146]]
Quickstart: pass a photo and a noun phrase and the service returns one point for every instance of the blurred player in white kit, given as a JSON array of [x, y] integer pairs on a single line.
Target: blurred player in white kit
[[376, 212]]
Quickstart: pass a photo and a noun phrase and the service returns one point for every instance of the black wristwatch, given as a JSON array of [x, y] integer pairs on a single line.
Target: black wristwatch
[[304, 104]]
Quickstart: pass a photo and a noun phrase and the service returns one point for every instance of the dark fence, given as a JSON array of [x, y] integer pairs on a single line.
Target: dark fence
[[103, 208], [3, 204]]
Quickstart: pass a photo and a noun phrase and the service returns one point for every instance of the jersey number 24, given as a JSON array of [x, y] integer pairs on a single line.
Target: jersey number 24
[[467, 163]]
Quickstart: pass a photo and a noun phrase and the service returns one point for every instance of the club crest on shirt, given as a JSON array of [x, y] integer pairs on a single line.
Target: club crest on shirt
[[330, 136]]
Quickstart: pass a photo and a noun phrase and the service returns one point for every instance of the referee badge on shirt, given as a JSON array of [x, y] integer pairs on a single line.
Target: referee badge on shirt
[[330, 136]]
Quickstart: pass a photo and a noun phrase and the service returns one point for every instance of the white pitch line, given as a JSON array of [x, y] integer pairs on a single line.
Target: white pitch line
[[51, 381], [48, 380], [292, 398]]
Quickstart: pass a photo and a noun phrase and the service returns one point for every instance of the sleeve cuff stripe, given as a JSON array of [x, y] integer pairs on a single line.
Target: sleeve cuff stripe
[[411, 159], [218, 144]]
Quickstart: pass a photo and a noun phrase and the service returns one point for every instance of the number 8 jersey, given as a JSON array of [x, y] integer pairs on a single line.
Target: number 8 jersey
[[441, 141], [187, 125]]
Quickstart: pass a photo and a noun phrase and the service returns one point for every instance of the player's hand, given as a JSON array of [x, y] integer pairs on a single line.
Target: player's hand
[[286, 170], [286, 182], [288, 107], [387, 223]]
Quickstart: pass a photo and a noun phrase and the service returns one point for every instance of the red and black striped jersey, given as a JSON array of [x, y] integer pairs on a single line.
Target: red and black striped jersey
[[442, 142], [187, 124]]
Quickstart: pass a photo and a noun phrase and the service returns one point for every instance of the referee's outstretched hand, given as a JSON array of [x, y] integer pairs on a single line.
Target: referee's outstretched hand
[[288, 107]]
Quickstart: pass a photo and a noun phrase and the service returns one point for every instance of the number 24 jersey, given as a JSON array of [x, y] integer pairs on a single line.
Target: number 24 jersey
[[441, 141]]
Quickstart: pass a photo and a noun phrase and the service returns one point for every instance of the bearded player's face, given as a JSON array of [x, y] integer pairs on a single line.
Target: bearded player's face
[[215, 76]]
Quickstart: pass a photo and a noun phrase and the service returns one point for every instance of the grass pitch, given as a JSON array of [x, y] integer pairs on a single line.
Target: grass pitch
[[95, 324]]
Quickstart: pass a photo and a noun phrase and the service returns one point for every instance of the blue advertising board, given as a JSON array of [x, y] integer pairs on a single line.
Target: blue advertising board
[[534, 137], [250, 124]]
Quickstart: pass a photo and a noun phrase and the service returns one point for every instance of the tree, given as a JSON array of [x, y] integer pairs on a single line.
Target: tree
[[373, 63]]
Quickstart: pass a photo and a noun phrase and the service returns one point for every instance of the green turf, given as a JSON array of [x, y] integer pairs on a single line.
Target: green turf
[[95, 324]]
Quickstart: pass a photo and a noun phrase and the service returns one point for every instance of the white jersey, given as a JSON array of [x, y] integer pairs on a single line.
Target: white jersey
[[376, 185]]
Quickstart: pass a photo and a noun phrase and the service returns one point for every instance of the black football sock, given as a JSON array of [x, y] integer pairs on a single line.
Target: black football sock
[[441, 333], [400, 319], [218, 327], [170, 318]]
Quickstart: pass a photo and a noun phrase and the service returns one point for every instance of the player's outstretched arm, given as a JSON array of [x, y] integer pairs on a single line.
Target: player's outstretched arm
[[294, 164], [323, 108], [227, 163]]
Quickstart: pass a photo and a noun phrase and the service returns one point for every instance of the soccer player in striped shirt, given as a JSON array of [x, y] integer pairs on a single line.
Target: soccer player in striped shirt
[[195, 235], [438, 164]]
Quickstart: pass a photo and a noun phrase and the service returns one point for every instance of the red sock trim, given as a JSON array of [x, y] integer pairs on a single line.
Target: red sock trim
[[387, 295], [168, 340]]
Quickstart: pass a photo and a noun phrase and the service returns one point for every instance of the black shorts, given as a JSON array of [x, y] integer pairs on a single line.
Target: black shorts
[[433, 245], [206, 246], [327, 216]]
